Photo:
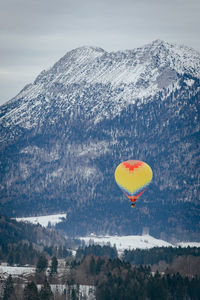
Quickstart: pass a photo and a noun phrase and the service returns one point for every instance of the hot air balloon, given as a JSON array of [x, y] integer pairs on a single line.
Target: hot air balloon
[[133, 177]]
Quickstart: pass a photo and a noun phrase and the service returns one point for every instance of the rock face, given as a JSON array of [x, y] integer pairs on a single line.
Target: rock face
[[63, 136]]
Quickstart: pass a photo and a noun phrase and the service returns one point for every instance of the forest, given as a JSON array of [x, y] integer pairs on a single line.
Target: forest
[[127, 277]]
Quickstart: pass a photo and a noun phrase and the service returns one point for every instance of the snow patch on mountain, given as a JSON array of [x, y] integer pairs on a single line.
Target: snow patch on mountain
[[189, 82], [44, 220]]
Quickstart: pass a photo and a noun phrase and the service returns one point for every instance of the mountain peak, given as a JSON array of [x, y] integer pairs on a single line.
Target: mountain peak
[[86, 49], [159, 42], [142, 68], [89, 52], [145, 71]]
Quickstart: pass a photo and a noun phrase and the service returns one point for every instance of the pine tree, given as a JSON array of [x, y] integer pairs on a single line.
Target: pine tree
[[42, 264], [73, 294], [41, 268], [31, 292], [92, 265], [9, 289], [45, 292], [11, 258], [54, 266]]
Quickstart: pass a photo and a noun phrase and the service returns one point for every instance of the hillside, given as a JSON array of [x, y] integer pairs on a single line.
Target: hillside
[[63, 136], [13, 232]]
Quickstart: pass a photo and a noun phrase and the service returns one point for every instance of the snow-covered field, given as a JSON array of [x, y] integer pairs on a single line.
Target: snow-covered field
[[44, 220], [132, 242], [189, 244], [15, 271], [126, 242]]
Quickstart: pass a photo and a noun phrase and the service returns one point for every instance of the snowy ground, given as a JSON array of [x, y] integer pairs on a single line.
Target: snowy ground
[[121, 242], [189, 244], [126, 242], [15, 271], [133, 242], [44, 220], [85, 291]]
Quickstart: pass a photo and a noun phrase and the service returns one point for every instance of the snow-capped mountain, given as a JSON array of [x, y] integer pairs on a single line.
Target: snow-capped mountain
[[132, 76], [63, 136]]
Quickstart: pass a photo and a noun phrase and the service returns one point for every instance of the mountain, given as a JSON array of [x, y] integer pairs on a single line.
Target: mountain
[[63, 136]]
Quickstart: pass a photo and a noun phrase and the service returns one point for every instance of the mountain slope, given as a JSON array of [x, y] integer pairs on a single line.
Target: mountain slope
[[63, 136], [125, 76]]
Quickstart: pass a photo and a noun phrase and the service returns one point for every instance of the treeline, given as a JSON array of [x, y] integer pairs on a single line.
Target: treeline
[[97, 250], [30, 292], [139, 256], [169, 260], [118, 280], [112, 277], [18, 254], [59, 252], [123, 282], [24, 253], [44, 275], [154, 255]]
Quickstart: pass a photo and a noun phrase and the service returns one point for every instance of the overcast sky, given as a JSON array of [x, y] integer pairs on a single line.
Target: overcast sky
[[34, 34]]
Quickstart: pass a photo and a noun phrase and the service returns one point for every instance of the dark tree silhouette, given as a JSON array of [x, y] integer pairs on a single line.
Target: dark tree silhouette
[[31, 292]]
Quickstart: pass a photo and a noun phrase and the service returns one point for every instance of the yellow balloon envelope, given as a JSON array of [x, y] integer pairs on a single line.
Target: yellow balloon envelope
[[133, 177]]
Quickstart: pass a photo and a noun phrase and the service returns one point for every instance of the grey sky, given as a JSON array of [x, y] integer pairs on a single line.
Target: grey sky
[[34, 34]]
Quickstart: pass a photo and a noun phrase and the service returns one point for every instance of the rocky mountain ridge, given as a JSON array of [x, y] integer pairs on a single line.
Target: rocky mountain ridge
[[132, 75]]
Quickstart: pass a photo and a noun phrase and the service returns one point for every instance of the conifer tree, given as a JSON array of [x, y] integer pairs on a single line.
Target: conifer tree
[[9, 289], [42, 264], [92, 265], [31, 292], [54, 266], [45, 292], [41, 268]]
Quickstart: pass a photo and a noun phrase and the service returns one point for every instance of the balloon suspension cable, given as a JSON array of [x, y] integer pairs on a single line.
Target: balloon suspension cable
[[134, 198]]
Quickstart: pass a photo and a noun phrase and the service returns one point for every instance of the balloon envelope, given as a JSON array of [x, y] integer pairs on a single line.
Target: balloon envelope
[[133, 176]]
